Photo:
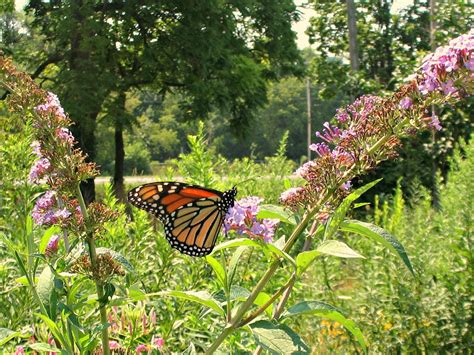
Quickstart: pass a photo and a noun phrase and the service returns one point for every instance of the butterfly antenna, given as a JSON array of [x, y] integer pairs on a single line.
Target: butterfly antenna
[[244, 181]]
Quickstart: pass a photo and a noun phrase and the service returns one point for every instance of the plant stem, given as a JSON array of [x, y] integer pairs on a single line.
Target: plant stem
[[235, 322], [98, 284]]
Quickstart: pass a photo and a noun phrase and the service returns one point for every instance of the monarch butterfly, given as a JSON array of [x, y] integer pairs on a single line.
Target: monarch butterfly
[[192, 215]]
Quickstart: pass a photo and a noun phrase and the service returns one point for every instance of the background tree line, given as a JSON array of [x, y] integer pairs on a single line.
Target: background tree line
[[137, 77]]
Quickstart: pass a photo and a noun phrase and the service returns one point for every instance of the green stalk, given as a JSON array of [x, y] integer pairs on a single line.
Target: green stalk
[[235, 322], [98, 285]]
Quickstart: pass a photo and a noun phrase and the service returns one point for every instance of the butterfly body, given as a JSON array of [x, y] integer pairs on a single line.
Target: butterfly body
[[192, 215]]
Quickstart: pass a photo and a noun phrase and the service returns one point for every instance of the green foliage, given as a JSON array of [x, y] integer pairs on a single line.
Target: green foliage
[[432, 313]]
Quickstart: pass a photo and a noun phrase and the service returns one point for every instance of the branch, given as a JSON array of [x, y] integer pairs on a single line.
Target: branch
[[53, 59]]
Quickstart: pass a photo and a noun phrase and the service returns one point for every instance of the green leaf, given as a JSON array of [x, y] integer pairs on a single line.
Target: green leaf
[[234, 263], [337, 248], [341, 211], [136, 294], [23, 280], [45, 285], [326, 311], [119, 258], [234, 243], [278, 338], [281, 253], [276, 212], [238, 293], [46, 237], [218, 269], [380, 235], [202, 297], [261, 299], [45, 347], [305, 259], [6, 335]]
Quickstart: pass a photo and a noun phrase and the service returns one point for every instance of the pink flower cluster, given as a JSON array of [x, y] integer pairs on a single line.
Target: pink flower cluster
[[52, 246], [438, 67], [242, 219], [45, 211], [369, 130], [52, 104]]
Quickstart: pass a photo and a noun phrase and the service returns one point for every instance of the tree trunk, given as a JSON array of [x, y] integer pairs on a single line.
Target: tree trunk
[[118, 180], [352, 26]]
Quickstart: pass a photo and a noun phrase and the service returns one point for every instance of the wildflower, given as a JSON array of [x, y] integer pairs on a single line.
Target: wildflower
[[292, 196], [36, 148], [141, 348], [52, 246], [157, 343], [52, 104], [406, 103], [20, 350], [346, 186], [330, 134], [45, 213], [65, 135], [320, 148], [434, 122], [39, 169], [114, 345], [242, 218]]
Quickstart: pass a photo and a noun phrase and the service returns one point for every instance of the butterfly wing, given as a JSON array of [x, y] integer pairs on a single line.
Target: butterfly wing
[[192, 215]]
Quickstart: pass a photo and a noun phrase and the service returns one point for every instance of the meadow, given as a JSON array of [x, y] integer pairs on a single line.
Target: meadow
[[260, 233]]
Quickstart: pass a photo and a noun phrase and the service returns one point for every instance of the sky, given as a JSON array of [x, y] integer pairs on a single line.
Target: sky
[[299, 27]]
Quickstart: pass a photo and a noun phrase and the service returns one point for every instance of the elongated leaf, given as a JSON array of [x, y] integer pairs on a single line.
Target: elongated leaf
[[276, 212], [337, 248], [24, 281], [380, 235], [326, 311], [234, 243], [119, 258], [305, 259], [238, 293], [45, 286], [45, 347], [46, 237], [278, 338], [218, 269], [340, 213], [201, 297], [6, 335], [234, 263]]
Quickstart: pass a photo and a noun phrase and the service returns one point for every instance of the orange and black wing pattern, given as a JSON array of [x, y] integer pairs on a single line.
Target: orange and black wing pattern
[[192, 215]]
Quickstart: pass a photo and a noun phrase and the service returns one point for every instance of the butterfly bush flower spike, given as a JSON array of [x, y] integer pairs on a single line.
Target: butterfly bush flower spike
[[368, 131], [242, 219]]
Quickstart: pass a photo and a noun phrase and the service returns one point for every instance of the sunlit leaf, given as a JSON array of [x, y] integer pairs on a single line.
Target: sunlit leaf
[[218, 269], [341, 211], [278, 338], [337, 248], [6, 335], [305, 259], [380, 235], [263, 298], [202, 297], [46, 237], [326, 311], [276, 212]]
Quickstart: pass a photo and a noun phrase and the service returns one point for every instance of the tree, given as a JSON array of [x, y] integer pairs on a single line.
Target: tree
[[391, 46], [218, 55]]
